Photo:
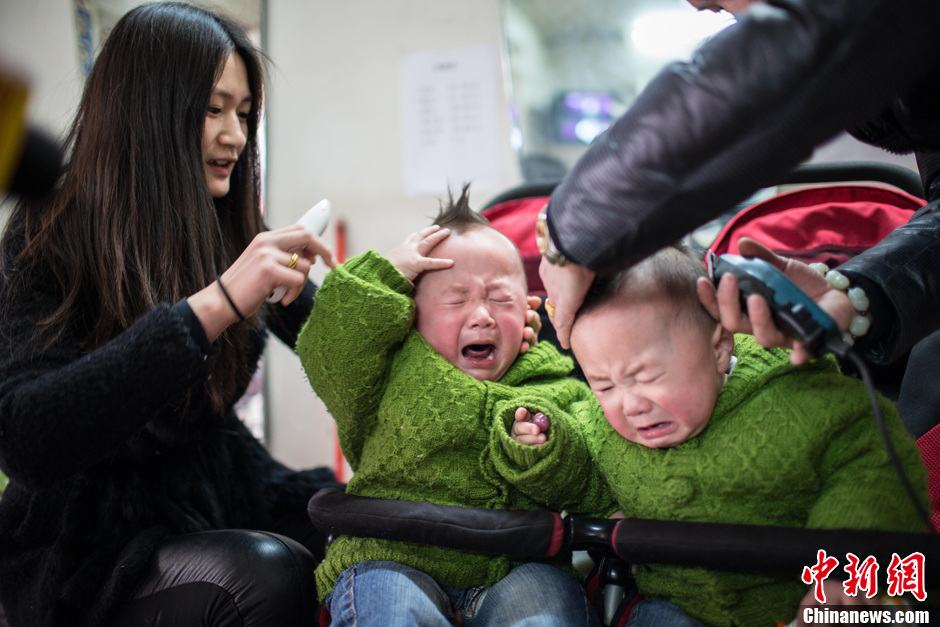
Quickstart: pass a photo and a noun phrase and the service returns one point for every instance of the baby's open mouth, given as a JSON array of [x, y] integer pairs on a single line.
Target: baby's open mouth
[[479, 353], [657, 430]]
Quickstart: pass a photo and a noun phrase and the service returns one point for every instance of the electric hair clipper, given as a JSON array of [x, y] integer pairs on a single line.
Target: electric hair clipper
[[795, 313]]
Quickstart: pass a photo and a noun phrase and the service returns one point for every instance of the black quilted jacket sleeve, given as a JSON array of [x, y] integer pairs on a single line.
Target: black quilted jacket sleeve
[[741, 113]]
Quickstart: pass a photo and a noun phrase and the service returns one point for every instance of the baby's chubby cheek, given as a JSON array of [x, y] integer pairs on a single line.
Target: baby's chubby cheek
[[624, 431], [616, 420]]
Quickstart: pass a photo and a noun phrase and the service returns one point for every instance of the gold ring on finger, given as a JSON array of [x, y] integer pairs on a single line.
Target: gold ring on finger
[[293, 261], [549, 308]]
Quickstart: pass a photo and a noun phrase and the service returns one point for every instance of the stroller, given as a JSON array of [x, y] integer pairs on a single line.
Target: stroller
[[792, 223], [616, 543]]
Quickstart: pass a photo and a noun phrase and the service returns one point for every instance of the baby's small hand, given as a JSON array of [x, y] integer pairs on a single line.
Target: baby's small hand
[[533, 324], [525, 431], [410, 257]]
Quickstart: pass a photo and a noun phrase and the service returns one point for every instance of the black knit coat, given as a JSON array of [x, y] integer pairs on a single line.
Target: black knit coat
[[106, 458]]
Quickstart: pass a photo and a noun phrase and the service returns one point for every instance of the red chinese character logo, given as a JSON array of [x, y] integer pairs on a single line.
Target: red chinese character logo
[[907, 575], [818, 573], [862, 576]]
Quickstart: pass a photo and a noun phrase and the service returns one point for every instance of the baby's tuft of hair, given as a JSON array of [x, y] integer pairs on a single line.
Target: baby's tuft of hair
[[457, 215]]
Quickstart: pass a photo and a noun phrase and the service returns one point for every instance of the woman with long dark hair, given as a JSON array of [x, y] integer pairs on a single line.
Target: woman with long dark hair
[[132, 318]]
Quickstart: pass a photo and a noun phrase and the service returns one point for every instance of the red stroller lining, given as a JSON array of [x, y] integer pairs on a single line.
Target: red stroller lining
[[829, 224]]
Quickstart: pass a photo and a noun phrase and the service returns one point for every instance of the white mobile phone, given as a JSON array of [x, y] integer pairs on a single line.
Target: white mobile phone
[[315, 221]]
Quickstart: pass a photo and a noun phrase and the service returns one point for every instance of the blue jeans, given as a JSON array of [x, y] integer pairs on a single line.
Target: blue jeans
[[389, 594], [658, 613]]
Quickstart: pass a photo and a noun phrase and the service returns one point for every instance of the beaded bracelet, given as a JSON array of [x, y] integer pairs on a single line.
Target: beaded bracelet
[[861, 323]]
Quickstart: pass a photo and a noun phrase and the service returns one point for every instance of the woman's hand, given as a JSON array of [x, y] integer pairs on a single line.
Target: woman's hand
[[411, 256], [533, 324], [757, 320], [566, 286], [263, 266]]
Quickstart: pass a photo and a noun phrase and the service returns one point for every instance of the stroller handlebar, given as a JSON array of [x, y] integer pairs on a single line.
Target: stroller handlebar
[[520, 534], [538, 534]]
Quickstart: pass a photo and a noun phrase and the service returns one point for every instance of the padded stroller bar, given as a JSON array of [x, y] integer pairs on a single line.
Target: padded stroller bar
[[522, 534], [537, 534], [903, 178], [758, 548], [524, 190]]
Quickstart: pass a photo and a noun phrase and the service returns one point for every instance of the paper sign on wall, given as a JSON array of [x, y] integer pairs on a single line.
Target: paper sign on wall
[[449, 102]]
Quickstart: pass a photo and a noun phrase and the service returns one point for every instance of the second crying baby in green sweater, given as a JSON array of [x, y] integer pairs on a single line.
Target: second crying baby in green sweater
[[704, 426], [419, 357]]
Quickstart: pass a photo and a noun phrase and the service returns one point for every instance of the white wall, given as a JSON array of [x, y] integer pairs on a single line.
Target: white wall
[[334, 131]]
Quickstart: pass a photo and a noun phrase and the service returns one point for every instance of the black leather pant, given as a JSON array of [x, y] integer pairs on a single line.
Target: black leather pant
[[230, 578]]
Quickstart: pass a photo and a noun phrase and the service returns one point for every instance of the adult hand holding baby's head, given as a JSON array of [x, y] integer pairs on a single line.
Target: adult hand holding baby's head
[[566, 287], [410, 258]]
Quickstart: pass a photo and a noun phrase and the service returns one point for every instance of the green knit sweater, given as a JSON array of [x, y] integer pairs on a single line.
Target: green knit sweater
[[414, 427], [788, 446]]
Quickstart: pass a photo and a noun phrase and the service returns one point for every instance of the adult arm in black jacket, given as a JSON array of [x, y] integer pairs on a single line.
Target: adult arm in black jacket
[[63, 410], [747, 108]]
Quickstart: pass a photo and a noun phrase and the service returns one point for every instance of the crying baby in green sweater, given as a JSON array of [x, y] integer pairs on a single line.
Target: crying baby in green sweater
[[706, 426], [419, 357]]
